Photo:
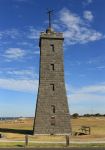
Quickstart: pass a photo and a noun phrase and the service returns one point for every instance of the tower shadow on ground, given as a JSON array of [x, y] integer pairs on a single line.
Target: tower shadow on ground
[[17, 131]]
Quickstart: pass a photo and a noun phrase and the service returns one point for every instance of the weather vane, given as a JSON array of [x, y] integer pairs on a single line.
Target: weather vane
[[49, 15]]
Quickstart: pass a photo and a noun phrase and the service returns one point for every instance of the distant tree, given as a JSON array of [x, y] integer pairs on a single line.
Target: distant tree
[[75, 115], [97, 115], [87, 115], [93, 115]]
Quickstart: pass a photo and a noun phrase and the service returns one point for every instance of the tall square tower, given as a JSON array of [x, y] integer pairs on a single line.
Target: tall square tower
[[52, 112]]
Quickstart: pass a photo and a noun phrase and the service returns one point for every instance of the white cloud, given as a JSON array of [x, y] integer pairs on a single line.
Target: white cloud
[[19, 85], [28, 73], [87, 103], [96, 60], [26, 33], [37, 52], [1, 35], [91, 89], [21, 72], [33, 33], [99, 89], [14, 54], [84, 98], [100, 67], [88, 15], [11, 33], [76, 30], [87, 2], [19, 80], [24, 43], [56, 26]]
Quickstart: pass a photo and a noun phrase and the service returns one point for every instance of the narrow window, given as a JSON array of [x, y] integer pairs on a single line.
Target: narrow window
[[52, 87], [53, 120], [52, 67], [52, 47], [53, 108]]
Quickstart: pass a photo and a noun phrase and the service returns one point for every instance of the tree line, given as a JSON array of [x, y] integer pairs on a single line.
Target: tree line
[[76, 115]]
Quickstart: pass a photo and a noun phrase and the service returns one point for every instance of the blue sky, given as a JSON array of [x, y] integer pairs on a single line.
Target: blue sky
[[83, 25]]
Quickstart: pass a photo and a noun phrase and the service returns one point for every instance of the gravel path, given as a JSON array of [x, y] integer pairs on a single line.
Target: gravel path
[[72, 142]]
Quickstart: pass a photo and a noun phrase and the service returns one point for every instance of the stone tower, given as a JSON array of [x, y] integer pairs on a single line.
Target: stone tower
[[52, 113]]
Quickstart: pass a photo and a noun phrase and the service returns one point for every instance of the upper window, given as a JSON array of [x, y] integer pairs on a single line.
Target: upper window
[[52, 87], [52, 47], [52, 67], [53, 108], [53, 120]]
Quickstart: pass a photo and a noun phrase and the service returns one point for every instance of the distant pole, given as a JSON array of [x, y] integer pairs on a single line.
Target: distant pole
[[49, 16]]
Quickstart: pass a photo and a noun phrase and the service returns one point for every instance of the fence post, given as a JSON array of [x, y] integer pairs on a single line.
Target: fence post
[[67, 140], [26, 140]]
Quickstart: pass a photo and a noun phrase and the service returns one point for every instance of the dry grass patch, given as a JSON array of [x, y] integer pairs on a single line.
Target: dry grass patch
[[97, 125]]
